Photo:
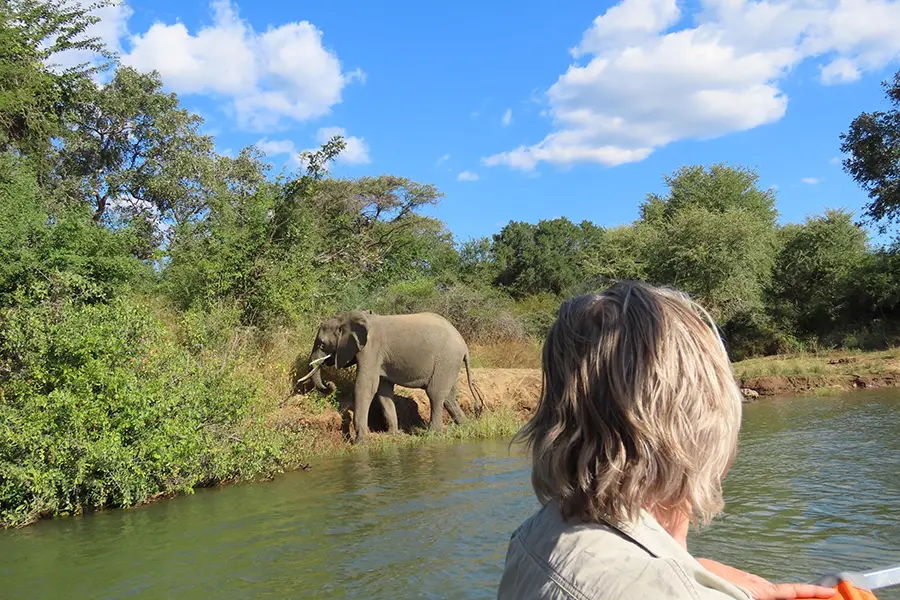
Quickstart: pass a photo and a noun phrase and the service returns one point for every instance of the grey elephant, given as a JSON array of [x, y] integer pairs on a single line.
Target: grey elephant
[[421, 350]]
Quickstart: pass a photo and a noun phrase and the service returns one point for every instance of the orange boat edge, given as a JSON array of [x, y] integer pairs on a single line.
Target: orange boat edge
[[848, 591]]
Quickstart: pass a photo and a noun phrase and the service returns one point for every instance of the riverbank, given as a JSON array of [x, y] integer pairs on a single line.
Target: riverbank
[[511, 395], [310, 427], [831, 372]]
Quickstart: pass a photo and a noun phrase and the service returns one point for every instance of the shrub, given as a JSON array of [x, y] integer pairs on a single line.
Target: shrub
[[538, 313], [480, 316], [99, 408]]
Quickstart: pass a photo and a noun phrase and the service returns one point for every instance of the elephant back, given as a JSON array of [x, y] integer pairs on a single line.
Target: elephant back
[[422, 323]]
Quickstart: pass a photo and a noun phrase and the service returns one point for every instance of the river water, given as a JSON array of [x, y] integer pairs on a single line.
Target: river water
[[815, 488]]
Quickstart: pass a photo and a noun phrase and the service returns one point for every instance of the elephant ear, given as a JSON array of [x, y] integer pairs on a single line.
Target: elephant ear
[[359, 328]]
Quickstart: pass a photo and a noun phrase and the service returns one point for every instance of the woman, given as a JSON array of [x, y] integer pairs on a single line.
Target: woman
[[635, 429]]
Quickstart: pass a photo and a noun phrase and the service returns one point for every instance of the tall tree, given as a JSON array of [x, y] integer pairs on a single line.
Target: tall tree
[[364, 220], [713, 235], [35, 95], [718, 188], [547, 257], [477, 263], [134, 153], [620, 254], [873, 143], [817, 265]]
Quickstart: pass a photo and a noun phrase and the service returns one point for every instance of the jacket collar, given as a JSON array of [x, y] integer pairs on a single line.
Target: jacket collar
[[648, 533]]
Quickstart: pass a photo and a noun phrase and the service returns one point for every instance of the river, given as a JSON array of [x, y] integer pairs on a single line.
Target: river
[[816, 487]]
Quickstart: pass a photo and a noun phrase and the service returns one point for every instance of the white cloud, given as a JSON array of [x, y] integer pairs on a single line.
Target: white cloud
[[282, 73], [637, 84], [835, 160], [507, 117], [467, 176], [442, 160], [356, 150], [276, 147], [810, 180], [840, 70]]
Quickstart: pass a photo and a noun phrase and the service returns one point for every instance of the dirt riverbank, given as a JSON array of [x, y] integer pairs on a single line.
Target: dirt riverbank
[[514, 392]]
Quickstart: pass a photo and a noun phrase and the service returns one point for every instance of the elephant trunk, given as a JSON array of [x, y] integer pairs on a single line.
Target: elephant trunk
[[316, 358]]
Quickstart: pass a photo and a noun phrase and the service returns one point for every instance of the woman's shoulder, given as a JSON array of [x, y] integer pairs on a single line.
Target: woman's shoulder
[[547, 533], [596, 561]]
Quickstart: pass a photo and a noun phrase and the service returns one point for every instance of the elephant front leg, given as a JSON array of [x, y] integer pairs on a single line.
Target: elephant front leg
[[386, 399], [363, 394]]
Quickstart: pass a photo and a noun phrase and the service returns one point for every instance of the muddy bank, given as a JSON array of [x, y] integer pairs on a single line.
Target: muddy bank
[[517, 391], [783, 385], [832, 372], [508, 390]]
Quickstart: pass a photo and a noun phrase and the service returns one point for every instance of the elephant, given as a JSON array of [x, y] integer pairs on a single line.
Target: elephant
[[419, 350]]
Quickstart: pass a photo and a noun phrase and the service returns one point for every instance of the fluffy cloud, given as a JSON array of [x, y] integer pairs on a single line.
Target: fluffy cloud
[[276, 147], [507, 118], [810, 180], [356, 151], [638, 85], [467, 176], [282, 73]]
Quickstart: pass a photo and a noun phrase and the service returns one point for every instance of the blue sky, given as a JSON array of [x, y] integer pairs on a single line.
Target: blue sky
[[528, 110]]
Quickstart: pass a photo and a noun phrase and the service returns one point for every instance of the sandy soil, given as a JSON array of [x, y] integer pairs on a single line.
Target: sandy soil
[[518, 390]]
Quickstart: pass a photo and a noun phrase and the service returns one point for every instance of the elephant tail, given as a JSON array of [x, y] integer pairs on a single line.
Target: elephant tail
[[477, 397]]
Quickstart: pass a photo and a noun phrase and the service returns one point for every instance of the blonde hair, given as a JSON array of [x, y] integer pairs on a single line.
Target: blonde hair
[[638, 409]]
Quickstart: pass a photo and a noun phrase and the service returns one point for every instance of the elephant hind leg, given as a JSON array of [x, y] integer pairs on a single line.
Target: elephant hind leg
[[453, 407], [444, 394], [386, 399]]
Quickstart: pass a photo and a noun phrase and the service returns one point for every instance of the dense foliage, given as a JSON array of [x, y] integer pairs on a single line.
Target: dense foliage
[[873, 145], [153, 292]]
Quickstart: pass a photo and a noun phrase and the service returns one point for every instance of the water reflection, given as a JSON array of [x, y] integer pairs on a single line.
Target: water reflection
[[814, 488]]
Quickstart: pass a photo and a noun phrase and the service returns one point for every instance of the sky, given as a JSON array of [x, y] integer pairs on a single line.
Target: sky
[[531, 110]]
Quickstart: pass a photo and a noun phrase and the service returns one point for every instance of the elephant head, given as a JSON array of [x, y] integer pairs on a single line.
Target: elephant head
[[337, 342]]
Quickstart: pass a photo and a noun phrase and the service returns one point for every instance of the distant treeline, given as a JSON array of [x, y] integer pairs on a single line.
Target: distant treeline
[[145, 279]]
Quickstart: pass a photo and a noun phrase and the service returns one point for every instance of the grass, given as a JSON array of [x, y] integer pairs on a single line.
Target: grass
[[269, 361], [504, 422], [525, 354], [498, 423], [836, 363], [494, 424]]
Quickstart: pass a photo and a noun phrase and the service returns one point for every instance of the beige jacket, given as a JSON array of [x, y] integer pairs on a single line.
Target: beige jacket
[[550, 559]]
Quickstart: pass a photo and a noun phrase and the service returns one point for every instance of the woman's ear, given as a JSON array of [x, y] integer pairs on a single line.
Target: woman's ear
[[359, 328]]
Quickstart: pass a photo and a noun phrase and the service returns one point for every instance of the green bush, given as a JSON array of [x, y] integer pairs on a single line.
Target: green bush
[[99, 408], [60, 253], [481, 316], [538, 313]]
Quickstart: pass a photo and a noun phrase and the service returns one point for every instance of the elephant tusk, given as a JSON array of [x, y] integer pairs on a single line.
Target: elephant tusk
[[313, 367], [307, 376], [319, 361]]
